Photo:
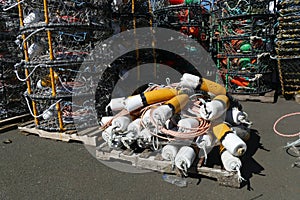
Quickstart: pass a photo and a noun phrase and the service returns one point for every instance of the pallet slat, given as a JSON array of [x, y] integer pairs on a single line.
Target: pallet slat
[[67, 136], [152, 163]]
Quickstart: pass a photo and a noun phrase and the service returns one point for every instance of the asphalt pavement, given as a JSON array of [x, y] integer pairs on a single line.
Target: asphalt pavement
[[38, 168]]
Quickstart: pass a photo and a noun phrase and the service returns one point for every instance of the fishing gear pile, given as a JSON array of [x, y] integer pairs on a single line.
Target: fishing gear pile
[[184, 121]]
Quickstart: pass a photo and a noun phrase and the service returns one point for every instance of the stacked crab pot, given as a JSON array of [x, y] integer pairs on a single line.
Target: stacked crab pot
[[55, 37], [243, 45], [11, 101], [288, 46]]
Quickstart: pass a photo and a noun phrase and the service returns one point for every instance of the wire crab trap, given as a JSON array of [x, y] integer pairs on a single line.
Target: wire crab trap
[[67, 43], [131, 14], [240, 46], [65, 13], [247, 75], [56, 38], [46, 112], [247, 26], [238, 8], [192, 19]]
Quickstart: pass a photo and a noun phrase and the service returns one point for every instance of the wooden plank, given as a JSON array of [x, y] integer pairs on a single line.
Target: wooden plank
[[12, 123], [10, 120], [152, 163], [62, 136]]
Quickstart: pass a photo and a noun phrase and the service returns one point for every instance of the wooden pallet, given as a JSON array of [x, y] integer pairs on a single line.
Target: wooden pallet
[[153, 161], [268, 97], [12, 122], [88, 136]]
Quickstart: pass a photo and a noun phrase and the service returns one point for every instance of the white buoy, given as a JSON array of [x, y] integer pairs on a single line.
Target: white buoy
[[47, 115], [186, 124], [107, 134], [169, 152], [117, 104], [33, 17], [35, 49], [135, 126], [121, 123], [146, 118], [212, 110], [235, 145], [105, 119], [230, 162], [133, 102], [185, 158], [145, 135], [161, 114], [205, 144]]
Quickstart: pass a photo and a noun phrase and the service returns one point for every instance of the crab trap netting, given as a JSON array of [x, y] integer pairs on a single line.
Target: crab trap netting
[[128, 15], [288, 45], [289, 74], [11, 101], [245, 45], [51, 119], [62, 13], [248, 75], [233, 8], [57, 38], [189, 17]]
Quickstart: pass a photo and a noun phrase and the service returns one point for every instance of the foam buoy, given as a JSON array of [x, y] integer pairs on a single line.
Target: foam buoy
[[185, 158]]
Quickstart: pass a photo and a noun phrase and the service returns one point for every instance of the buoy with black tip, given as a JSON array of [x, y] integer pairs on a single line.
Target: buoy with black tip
[[233, 143], [147, 98], [215, 108]]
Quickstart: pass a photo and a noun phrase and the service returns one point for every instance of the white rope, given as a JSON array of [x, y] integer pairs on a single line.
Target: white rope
[[48, 109], [240, 178], [31, 34], [25, 79], [62, 84], [14, 5]]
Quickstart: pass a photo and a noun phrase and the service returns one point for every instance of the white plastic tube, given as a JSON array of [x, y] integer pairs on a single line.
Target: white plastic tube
[[230, 162], [186, 124], [162, 113], [234, 145], [117, 104], [169, 152], [105, 119], [133, 102], [146, 118], [212, 110], [121, 123], [135, 126], [185, 158]]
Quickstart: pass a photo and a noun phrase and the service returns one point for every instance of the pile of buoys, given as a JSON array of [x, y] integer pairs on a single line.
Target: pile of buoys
[[183, 120]]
